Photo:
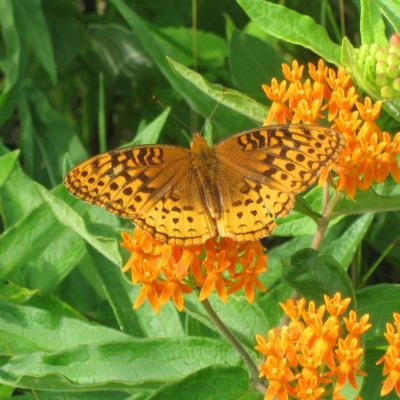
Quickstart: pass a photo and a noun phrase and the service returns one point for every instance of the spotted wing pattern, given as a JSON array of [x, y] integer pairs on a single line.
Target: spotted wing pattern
[[149, 184], [261, 171]]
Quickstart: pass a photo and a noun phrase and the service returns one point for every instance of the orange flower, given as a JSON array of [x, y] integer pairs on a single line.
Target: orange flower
[[328, 97], [168, 272], [304, 358], [391, 358]]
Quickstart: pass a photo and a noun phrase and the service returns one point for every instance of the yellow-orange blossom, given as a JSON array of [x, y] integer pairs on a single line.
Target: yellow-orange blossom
[[328, 97], [169, 271], [313, 354]]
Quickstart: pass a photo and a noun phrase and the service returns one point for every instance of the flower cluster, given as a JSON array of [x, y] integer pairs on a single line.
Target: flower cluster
[[391, 359], [329, 97], [169, 271], [313, 355], [379, 66]]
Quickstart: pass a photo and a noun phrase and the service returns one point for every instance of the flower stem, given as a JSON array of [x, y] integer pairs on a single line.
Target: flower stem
[[236, 344]]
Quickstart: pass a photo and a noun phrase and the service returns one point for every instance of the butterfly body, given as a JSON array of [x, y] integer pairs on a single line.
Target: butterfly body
[[234, 189]]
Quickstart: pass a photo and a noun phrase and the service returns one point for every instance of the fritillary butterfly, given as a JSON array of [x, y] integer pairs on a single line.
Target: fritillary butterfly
[[234, 189]]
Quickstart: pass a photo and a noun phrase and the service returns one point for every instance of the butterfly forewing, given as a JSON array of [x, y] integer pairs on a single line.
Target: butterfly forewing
[[145, 183]]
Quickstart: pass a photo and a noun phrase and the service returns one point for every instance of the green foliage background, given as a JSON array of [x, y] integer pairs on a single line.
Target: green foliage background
[[80, 77]]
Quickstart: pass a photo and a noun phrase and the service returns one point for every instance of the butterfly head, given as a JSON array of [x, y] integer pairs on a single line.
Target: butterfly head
[[198, 145]]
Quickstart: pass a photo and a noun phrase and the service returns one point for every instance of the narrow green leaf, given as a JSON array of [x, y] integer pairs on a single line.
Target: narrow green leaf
[[18, 196], [101, 115], [367, 202], [372, 27], [25, 329], [117, 50], [7, 164], [230, 98], [12, 41], [291, 26], [151, 133], [27, 239], [30, 16], [391, 10], [380, 302], [123, 365], [248, 53], [65, 30], [211, 50], [116, 290], [70, 219], [313, 275], [345, 246], [212, 383]]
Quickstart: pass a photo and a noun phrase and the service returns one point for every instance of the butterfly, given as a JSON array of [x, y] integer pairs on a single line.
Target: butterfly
[[236, 188]]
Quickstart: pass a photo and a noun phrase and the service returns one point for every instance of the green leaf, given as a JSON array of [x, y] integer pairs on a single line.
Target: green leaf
[[224, 117], [345, 246], [248, 63], [391, 10], [116, 290], [7, 164], [44, 395], [70, 219], [291, 26], [313, 275], [62, 253], [13, 46], [380, 302], [123, 365], [25, 329], [151, 133], [212, 383], [373, 381], [269, 303], [211, 50], [118, 50], [51, 134], [29, 15], [372, 27], [230, 98], [242, 318], [367, 202], [18, 195], [65, 34], [166, 323]]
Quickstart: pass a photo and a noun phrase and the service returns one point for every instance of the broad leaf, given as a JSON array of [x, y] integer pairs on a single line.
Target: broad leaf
[[291, 26]]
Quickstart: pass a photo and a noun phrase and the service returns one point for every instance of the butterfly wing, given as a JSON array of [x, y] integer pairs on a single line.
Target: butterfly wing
[[261, 170], [152, 185]]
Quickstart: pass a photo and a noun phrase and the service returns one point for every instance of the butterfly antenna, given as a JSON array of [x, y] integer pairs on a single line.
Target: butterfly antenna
[[177, 119], [217, 104]]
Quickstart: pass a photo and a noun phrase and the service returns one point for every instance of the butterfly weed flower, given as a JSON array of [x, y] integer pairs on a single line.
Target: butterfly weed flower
[[328, 97], [316, 353], [391, 358], [168, 272]]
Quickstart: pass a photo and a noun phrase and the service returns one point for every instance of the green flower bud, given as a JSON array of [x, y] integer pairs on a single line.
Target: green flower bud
[[381, 79], [381, 54], [386, 92], [392, 59], [396, 84], [392, 71], [381, 67], [394, 50]]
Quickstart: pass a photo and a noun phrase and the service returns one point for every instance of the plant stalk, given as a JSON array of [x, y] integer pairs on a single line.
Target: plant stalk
[[236, 344]]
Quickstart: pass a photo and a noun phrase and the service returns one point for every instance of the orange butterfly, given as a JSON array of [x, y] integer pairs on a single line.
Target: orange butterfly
[[234, 189]]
